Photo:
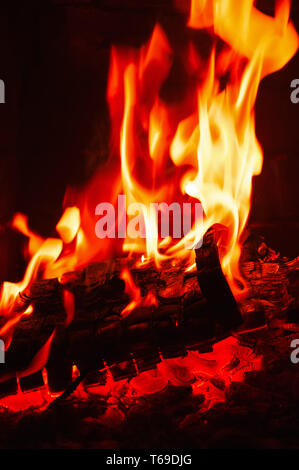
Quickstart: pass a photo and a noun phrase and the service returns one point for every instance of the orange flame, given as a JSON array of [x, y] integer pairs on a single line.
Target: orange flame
[[248, 31], [214, 151], [47, 254], [203, 148], [49, 258], [69, 224]]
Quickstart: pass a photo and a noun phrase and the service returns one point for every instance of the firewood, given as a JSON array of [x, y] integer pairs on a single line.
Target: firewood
[[101, 335], [213, 284]]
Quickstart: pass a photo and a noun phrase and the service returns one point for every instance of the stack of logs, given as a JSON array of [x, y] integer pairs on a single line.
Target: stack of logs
[[193, 312]]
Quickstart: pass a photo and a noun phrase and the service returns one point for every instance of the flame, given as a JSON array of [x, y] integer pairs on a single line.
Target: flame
[[20, 223], [200, 148], [48, 252], [132, 290], [135, 294], [69, 224], [45, 262], [214, 152], [248, 31], [39, 360]]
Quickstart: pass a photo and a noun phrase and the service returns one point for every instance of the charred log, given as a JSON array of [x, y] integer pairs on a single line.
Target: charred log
[[100, 338], [100, 335], [213, 284]]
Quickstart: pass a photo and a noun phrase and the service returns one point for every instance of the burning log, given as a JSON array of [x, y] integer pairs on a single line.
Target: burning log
[[213, 284], [99, 335]]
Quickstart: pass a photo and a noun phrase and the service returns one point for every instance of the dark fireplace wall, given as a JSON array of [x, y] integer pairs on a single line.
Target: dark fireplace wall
[[54, 58]]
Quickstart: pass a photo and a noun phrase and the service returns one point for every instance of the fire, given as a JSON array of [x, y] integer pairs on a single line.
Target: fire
[[46, 255], [134, 293], [213, 150], [209, 374], [132, 290], [69, 224], [248, 31], [201, 148]]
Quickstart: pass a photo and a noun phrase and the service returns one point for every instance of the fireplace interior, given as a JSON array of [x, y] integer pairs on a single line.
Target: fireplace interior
[[123, 344]]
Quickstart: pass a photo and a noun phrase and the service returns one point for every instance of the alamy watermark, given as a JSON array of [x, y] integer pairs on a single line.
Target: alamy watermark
[[135, 220], [2, 352], [295, 92], [295, 353], [2, 92]]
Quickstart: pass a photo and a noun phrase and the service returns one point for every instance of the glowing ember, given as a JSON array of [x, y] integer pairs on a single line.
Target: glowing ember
[[209, 374]]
